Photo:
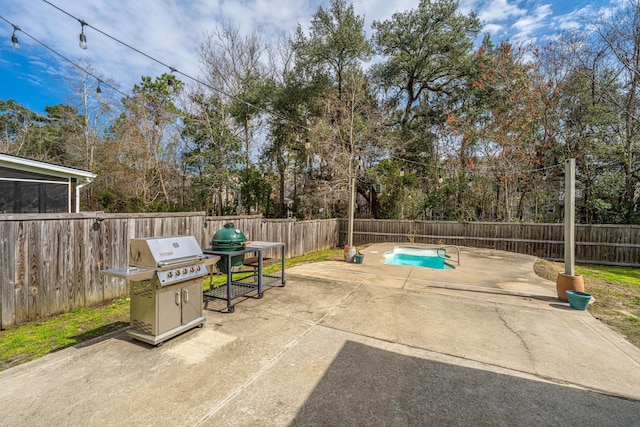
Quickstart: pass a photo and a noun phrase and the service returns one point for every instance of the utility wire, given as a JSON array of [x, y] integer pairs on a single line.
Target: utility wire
[[488, 169], [79, 67]]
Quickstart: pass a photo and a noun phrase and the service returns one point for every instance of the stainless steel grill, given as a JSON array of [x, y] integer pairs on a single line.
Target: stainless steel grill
[[165, 276]]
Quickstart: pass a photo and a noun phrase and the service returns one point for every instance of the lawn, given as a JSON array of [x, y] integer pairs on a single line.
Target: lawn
[[35, 339]]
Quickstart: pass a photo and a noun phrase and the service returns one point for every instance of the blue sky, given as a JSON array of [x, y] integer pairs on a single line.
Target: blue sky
[[171, 31]]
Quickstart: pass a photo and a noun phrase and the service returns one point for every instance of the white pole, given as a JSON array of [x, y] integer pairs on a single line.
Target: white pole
[[352, 208], [569, 216]]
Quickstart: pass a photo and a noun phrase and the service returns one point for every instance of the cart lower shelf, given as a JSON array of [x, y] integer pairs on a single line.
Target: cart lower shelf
[[241, 287]]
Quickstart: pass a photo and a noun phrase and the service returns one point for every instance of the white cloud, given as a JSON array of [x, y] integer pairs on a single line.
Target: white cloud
[[381, 10], [526, 28], [569, 25], [493, 29], [499, 10]]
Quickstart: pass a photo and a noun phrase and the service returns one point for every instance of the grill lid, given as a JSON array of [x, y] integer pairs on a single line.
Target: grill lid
[[157, 252], [228, 235]]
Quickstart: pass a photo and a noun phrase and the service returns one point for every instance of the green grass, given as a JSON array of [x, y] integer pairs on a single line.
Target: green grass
[[325, 255], [622, 275], [32, 340]]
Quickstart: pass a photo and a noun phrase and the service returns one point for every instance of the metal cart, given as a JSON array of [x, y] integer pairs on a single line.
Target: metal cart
[[242, 282]]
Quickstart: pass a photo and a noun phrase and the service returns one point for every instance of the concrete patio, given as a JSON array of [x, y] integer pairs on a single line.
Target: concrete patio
[[353, 344]]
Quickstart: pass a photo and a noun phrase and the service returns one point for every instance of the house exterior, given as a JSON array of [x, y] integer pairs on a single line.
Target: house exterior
[[31, 186]]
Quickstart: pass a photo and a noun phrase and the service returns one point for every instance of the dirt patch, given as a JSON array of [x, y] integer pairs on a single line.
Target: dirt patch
[[616, 304]]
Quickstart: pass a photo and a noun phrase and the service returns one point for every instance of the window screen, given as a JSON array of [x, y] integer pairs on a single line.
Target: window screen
[[33, 197]]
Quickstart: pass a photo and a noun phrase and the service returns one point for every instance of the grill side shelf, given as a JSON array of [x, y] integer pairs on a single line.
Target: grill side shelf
[[130, 273]]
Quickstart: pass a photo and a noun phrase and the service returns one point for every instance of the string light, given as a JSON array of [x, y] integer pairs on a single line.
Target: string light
[[14, 38], [55, 52], [83, 38], [170, 78], [194, 79]]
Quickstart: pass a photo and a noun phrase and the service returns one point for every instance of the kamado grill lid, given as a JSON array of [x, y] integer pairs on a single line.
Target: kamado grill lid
[[229, 235]]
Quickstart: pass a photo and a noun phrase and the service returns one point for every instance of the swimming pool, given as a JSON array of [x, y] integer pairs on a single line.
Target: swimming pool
[[417, 257]]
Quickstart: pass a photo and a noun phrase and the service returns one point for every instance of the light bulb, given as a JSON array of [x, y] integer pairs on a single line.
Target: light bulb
[[14, 41], [170, 81], [83, 41]]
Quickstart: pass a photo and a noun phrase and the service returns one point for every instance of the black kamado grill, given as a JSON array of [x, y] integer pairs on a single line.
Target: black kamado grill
[[229, 239]]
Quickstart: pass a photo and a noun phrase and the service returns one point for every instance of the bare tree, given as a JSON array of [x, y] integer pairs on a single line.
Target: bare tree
[[232, 64], [620, 33], [95, 101]]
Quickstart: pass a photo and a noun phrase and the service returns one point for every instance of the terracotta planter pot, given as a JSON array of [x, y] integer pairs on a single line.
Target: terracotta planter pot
[[566, 283], [349, 253]]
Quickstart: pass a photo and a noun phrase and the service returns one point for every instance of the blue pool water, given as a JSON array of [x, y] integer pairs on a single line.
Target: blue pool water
[[417, 257]]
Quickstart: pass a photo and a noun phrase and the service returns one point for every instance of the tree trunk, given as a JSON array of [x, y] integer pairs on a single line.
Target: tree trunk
[[630, 114], [281, 174]]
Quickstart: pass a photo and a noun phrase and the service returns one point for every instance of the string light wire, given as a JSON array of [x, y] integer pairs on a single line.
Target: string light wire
[[55, 52], [176, 71]]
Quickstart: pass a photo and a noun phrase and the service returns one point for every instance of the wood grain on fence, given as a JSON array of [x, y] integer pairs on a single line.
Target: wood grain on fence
[[50, 263]]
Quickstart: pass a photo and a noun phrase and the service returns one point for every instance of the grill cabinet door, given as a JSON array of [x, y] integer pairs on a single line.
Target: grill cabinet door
[[169, 310], [191, 301]]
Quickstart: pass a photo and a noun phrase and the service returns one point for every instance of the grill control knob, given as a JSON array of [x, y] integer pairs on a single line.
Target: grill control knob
[[184, 270], [177, 273], [198, 268], [192, 269], [169, 274]]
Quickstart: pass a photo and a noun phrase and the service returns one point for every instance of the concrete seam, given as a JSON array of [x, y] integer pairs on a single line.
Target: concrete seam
[[267, 367], [255, 377], [635, 361], [444, 284], [536, 375]]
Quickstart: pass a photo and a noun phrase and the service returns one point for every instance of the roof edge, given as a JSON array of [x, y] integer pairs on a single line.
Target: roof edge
[[30, 165]]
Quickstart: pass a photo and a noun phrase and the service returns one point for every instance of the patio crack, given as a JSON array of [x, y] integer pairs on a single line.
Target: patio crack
[[532, 360]]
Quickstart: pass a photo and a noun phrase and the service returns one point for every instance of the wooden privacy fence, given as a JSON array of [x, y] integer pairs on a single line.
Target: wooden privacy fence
[[50, 263], [596, 244]]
